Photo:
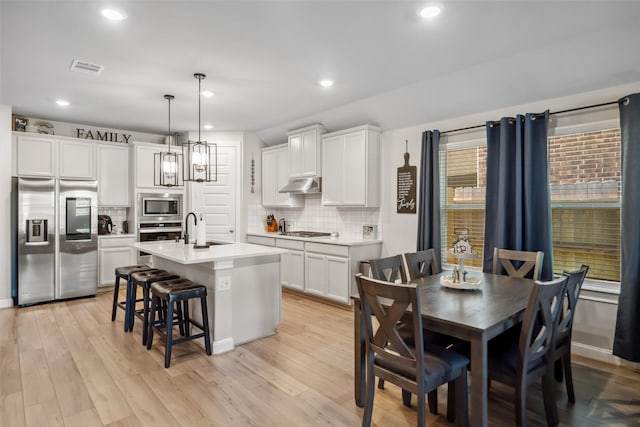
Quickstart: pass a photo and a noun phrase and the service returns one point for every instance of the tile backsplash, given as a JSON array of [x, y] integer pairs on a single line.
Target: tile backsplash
[[118, 215], [315, 217]]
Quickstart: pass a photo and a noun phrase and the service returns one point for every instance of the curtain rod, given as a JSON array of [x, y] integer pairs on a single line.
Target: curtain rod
[[551, 114]]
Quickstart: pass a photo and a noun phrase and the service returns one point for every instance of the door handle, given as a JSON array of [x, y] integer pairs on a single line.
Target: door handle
[[231, 231]]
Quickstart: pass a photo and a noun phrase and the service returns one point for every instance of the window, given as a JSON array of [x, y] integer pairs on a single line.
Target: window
[[463, 182], [584, 176]]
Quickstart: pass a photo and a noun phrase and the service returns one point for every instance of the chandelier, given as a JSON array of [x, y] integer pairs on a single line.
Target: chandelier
[[166, 171], [199, 166]]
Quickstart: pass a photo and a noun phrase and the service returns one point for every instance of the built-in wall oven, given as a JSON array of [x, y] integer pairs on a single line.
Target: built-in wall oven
[[159, 218], [157, 231]]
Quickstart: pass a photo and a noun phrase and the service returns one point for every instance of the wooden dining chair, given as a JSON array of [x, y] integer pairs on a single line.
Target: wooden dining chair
[[388, 269], [388, 356], [391, 269], [421, 263], [526, 262], [521, 360], [562, 349]]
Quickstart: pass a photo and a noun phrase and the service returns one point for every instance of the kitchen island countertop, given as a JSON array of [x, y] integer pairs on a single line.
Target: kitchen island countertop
[[220, 251]]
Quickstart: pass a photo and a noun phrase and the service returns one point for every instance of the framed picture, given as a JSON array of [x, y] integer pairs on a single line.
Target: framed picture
[[20, 123], [369, 232]]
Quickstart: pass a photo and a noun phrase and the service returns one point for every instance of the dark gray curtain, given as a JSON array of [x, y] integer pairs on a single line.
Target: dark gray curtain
[[626, 343], [429, 197], [518, 206]]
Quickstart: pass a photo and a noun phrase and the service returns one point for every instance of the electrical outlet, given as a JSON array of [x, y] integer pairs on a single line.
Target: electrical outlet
[[223, 283]]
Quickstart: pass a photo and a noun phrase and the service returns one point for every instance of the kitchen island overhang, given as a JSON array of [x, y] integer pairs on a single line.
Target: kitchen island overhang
[[243, 286]]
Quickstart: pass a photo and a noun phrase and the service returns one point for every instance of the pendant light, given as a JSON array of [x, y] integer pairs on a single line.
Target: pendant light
[[166, 165], [198, 164]]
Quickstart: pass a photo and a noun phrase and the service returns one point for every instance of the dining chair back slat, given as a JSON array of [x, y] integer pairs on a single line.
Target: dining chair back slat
[[386, 342], [564, 327], [575, 279], [421, 264], [526, 263], [389, 269], [541, 316]]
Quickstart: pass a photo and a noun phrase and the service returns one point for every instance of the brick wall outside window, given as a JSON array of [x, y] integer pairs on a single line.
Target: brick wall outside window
[[584, 174]]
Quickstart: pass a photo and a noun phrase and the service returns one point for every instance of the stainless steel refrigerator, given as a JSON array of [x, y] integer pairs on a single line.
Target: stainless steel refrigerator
[[54, 239]]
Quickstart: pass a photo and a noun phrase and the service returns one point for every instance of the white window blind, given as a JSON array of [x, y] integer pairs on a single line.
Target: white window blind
[[463, 186], [584, 174]]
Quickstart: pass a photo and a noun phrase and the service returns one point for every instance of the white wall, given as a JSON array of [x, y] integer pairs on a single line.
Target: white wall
[[252, 146], [5, 206], [596, 314]]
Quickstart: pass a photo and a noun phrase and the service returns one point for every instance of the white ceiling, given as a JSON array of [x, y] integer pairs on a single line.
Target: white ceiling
[[263, 60]]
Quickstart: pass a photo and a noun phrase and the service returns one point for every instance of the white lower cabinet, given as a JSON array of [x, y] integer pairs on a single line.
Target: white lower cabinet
[[320, 269], [328, 276], [113, 251], [327, 268], [337, 278], [292, 264], [292, 269], [316, 277]]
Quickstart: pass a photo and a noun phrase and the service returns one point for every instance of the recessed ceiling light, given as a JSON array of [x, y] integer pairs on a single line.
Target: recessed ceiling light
[[207, 127], [207, 93], [326, 83], [430, 11], [113, 15], [62, 103]]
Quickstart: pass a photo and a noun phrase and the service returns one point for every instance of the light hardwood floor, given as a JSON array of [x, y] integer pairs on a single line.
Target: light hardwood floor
[[67, 364]]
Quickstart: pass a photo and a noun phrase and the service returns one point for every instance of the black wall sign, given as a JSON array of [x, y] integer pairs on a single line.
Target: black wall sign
[[102, 136], [406, 201]]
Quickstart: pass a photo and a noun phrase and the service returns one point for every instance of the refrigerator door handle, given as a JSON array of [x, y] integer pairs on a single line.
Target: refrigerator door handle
[[37, 243]]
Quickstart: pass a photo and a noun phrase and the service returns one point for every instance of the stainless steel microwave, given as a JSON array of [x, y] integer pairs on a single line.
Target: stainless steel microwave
[[159, 207]]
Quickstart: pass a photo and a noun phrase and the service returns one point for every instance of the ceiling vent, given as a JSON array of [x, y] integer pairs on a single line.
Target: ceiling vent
[[86, 67]]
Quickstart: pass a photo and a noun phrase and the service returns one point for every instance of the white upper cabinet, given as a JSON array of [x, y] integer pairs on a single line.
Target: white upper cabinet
[[36, 156], [351, 167], [144, 164], [305, 151], [47, 156], [275, 175], [113, 175], [77, 159]]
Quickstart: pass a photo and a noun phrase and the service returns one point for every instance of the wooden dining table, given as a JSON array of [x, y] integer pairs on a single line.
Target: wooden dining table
[[476, 316]]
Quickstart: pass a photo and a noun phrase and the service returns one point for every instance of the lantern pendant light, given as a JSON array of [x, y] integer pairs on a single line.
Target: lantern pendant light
[[198, 164], [166, 165]]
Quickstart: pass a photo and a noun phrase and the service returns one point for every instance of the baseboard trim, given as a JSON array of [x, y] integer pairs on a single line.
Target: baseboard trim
[[6, 303], [317, 298], [223, 346], [602, 355], [597, 353]]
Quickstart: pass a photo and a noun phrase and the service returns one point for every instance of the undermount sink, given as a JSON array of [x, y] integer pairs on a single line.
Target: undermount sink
[[213, 244]]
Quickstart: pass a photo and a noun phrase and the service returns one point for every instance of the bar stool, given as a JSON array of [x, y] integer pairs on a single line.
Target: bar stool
[[178, 292], [124, 273], [144, 279]]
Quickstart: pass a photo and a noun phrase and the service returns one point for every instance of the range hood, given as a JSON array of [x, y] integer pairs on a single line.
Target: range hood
[[308, 185]]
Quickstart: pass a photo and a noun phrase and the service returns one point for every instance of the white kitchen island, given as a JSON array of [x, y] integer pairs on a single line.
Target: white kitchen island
[[243, 286]]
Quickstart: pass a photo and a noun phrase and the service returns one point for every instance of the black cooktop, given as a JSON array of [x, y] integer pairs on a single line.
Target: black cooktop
[[305, 234]]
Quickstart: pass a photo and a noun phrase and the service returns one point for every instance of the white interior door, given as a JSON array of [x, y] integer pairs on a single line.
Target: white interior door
[[217, 200]]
